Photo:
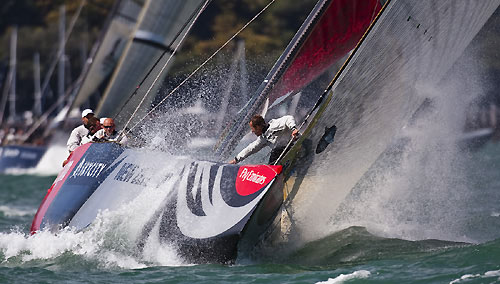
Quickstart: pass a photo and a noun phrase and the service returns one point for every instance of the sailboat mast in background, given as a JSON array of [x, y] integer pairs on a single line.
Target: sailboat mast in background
[[60, 66], [12, 76], [37, 106]]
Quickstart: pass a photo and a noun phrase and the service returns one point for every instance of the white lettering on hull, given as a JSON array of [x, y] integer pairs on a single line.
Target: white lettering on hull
[[88, 169], [252, 176]]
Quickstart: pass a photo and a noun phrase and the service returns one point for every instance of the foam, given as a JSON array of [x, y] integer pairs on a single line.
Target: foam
[[360, 274], [51, 162], [111, 240], [16, 212], [468, 277]]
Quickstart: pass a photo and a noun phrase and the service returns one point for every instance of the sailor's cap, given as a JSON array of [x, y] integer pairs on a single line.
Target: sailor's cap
[[87, 112]]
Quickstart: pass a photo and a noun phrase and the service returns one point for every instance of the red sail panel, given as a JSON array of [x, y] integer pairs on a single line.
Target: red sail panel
[[335, 34]]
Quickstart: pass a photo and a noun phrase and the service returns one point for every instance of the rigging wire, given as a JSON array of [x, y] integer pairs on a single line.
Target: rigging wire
[[194, 16], [125, 131], [235, 129]]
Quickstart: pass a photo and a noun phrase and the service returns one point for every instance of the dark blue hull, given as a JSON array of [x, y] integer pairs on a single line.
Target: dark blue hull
[[14, 157]]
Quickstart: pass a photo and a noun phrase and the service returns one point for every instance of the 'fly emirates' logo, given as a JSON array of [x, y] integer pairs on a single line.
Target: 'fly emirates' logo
[[252, 176]]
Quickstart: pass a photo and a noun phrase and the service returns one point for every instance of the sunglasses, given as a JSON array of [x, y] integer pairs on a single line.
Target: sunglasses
[[111, 126]]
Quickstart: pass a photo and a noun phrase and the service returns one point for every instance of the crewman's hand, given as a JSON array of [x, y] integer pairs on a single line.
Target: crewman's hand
[[67, 159], [295, 133], [232, 162]]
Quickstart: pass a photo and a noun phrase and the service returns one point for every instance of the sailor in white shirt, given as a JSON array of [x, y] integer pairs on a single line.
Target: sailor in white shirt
[[108, 133], [276, 134], [93, 125], [75, 138]]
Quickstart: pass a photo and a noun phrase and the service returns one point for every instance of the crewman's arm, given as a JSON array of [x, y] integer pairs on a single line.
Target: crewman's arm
[[290, 122], [73, 140], [251, 149]]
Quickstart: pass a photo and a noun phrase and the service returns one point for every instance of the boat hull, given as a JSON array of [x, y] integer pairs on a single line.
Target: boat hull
[[198, 207], [14, 157]]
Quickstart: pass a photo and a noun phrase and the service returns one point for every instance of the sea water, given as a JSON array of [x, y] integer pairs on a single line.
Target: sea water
[[356, 254], [430, 216]]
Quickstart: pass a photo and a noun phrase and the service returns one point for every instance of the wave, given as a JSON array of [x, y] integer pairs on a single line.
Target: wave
[[352, 246], [345, 277], [469, 277], [107, 243], [16, 212]]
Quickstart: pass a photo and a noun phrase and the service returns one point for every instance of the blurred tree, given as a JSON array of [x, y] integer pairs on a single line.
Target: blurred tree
[[19, 12], [265, 38]]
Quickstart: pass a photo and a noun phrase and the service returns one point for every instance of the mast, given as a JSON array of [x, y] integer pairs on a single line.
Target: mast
[[59, 54], [243, 76], [37, 107], [108, 49], [60, 66], [48, 75], [150, 41]]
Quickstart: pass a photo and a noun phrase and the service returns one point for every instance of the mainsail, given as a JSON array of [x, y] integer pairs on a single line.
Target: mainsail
[[158, 30], [330, 31], [409, 49]]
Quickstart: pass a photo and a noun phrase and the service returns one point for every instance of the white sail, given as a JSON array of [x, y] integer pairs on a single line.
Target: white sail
[[410, 47], [158, 29], [110, 49]]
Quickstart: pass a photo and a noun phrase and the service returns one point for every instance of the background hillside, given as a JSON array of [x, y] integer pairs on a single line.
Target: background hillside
[[38, 21]]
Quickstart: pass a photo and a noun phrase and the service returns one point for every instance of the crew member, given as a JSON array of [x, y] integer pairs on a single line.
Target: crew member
[[108, 133], [276, 134], [75, 139], [93, 125]]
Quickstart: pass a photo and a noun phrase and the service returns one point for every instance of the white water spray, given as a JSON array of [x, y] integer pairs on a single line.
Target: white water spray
[[419, 189]]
